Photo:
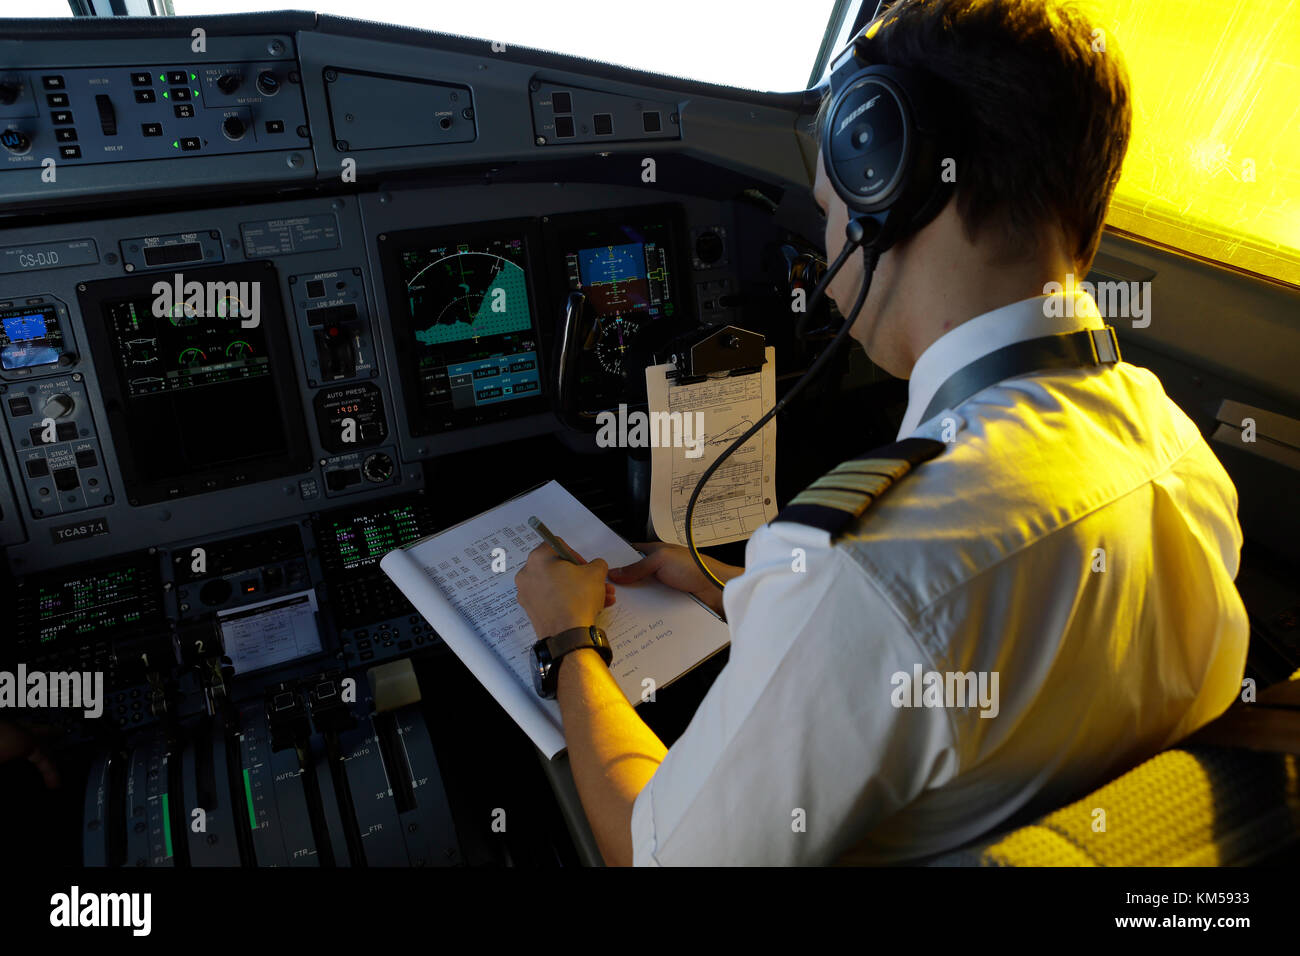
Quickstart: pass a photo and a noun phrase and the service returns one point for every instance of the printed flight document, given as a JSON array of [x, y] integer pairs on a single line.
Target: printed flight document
[[741, 496], [657, 634]]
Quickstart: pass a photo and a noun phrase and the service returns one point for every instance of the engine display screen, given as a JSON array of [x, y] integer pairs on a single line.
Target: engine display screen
[[462, 301], [184, 349], [197, 379], [29, 336]]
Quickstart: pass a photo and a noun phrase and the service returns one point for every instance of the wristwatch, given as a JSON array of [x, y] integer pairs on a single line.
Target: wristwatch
[[549, 651]]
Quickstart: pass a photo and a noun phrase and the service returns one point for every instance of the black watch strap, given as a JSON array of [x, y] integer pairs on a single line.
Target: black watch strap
[[578, 637]]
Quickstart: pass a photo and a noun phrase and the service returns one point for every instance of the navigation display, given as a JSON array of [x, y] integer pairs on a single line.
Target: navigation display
[[197, 379], [462, 302]]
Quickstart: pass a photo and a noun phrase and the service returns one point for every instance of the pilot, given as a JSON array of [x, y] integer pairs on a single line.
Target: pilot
[[1045, 602]]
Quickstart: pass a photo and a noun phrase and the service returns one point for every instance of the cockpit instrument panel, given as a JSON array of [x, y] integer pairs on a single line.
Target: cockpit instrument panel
[[465, 318]]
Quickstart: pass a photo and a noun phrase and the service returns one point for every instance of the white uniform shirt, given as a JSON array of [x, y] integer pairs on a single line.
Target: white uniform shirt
[[1077, 537]]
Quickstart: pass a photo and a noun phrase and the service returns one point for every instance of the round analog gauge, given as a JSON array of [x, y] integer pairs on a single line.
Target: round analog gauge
[[617, 335], [239, 349], [191, 356]]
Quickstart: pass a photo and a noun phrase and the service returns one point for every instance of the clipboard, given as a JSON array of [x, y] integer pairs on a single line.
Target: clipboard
[[742, 492]]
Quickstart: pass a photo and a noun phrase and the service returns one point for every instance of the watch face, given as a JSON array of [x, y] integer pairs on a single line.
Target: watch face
[[541, 664]]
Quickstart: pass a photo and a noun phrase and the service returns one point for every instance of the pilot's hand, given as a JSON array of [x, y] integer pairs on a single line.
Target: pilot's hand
[[558, 594], [15, 742], [673, 565]]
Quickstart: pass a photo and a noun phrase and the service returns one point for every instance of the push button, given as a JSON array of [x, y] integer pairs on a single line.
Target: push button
[[65, 479], [180, 94], [66, 431], [86, 458], [183, 110], [70, 152], [52, 82], [22, 405], [275, 126], [190, 143], [56, 99], [37, 467], [176, 77], [61, 117], [66, 135], [151, 129], [142, 79], [145, 96]]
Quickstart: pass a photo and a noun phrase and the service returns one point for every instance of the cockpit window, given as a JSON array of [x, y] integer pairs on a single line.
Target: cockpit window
[[753, 44], [1213, 165]]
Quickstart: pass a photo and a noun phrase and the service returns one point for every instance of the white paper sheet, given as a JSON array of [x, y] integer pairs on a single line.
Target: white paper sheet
[[656, 633], [741, 495]]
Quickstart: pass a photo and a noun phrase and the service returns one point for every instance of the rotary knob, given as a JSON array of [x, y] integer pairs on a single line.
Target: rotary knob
[[58, 406], [233, 128], [229, 82], [267, 84], [16, 141], [377, 467]]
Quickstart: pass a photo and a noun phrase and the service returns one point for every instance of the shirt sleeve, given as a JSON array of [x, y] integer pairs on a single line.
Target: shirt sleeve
[[797, 749]]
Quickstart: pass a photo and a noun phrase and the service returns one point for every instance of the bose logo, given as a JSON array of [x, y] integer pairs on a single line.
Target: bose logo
[[857, 112]]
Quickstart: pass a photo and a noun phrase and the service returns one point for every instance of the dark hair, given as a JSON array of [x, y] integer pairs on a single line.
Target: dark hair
[[1037, 105]]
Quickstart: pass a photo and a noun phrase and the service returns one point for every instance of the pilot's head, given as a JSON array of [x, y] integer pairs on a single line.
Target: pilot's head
[[1038, 106]]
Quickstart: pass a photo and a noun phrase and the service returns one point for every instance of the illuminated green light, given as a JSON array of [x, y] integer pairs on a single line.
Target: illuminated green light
[[176, 144], [166, 95], [162, 77], [167, 826], [194, 76], [248, 793]]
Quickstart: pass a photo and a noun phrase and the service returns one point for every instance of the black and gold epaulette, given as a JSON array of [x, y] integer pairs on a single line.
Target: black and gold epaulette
[[847, 490]]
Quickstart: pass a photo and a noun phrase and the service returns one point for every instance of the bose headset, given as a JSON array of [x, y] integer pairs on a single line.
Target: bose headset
[[883, 146]]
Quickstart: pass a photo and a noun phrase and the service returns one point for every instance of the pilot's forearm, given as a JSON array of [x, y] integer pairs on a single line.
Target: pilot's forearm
[[612, 752]]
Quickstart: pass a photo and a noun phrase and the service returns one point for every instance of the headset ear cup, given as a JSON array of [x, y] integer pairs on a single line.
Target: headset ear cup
[[911, 191]]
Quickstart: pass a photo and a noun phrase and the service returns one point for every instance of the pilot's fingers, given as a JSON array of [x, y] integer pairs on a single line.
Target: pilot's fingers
[[638, 570]]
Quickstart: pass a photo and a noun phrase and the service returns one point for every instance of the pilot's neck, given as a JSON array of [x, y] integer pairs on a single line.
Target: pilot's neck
[[939, 280]]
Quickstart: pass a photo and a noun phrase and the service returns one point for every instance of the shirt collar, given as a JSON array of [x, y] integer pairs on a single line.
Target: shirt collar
[[977, 337]]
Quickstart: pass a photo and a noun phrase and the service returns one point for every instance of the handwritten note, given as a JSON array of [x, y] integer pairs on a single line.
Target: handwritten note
[[463, 582]]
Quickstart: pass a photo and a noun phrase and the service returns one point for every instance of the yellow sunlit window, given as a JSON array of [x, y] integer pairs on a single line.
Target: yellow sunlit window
[[1214, 164]]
